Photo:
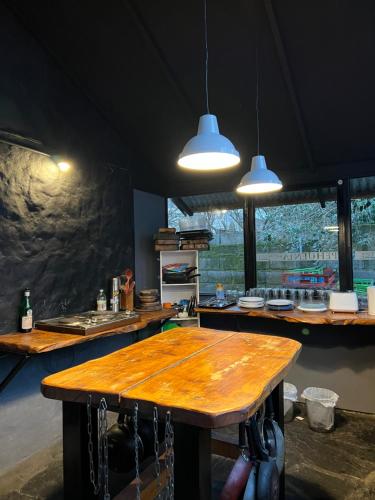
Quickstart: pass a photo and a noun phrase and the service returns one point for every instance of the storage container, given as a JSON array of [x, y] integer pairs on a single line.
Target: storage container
[[320, 405], [290, 396]]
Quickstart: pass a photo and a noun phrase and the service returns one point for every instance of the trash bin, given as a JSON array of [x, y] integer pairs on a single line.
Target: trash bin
[[290, 396], [320, 404]]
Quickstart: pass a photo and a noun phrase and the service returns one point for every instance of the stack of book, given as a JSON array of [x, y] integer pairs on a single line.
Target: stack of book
[[166, 239], [195, 240]]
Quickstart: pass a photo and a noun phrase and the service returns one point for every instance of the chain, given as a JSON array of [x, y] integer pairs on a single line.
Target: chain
[[102, 447], [136, 448], [103, 437], [156, 449], [169, 455], [95, 484]]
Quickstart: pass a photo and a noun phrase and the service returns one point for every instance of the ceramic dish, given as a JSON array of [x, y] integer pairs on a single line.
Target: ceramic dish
[[313, 308], [251, 299], [281, 308], [255, 305], [279, 303]]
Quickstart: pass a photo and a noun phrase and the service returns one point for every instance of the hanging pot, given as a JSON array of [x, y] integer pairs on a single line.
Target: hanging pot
[[268, 484], [121, 446], [146, 433], [274, 442], [236, 482]]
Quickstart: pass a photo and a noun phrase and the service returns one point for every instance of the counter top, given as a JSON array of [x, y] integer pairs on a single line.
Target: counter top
[[297, 316], [205, 377], [39, 341]]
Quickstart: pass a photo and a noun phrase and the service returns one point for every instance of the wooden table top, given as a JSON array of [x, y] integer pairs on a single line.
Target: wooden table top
[[205, 377], [297, 316], [39, 341]]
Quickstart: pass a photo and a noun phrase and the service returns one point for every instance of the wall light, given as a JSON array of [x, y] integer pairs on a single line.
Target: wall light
[[61, 163], [64, 166]]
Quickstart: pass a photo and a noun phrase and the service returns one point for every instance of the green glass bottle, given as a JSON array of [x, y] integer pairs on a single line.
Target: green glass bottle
[[26, 313]]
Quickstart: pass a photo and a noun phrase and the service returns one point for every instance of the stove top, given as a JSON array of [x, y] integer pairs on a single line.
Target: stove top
[[89, 322]]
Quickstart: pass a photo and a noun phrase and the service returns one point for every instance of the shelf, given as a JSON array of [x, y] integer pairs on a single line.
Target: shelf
[[190, 318], [179, 284]]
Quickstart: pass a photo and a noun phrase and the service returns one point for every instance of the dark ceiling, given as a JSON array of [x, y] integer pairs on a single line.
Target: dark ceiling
[[141, 64]]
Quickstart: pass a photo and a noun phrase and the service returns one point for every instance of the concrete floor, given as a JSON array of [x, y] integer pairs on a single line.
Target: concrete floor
[[335, 466]]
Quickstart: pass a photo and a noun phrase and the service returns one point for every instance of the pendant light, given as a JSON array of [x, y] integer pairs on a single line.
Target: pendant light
[[260, 179], [208, 150]]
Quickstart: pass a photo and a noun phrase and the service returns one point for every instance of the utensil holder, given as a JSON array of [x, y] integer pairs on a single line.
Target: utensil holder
[[127, 301]]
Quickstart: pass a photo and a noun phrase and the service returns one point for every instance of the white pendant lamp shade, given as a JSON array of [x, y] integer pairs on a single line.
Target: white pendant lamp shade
[[259, 179], [208, 150]]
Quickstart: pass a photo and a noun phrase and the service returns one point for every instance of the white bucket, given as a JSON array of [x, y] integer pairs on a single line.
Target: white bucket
[[320, 404], [290, 396]]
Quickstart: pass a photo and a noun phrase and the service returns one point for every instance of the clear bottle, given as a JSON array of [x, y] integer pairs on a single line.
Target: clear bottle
[[26, 313], [220, 295], [101, 301]]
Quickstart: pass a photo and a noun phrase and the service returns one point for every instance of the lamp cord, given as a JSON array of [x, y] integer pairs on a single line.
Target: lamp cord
[[257, 95], [206, 55]]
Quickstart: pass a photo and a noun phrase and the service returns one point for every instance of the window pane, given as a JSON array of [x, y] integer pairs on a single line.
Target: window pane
[[363, 236], [224, 262], [297, 246]]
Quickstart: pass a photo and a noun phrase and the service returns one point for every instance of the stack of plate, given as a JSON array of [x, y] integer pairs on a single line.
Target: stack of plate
[[148, 300], [280, 305], [251, 302]]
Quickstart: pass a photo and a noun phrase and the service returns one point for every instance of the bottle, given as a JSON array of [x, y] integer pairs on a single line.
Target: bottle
[[115, 300], [101, 301], [26, 313], [220, 291]]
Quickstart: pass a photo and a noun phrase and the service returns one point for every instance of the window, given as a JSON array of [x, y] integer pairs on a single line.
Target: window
[[363, 238], [297, 246], [224, 262]]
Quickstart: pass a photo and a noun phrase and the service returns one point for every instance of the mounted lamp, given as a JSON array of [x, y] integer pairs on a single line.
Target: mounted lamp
[[208, 150], [259, 179]]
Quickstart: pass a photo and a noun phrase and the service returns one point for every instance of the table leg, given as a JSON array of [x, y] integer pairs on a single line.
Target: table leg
[[278, 407], [75, 448], [192, 462]]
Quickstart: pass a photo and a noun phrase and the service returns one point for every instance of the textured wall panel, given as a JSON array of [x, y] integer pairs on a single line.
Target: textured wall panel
[[62, 234]]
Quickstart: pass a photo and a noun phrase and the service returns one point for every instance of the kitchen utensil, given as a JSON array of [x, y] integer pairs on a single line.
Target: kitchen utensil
[[343, 302], [179, 277]]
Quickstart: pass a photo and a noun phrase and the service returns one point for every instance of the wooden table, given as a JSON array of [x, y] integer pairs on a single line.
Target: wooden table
[[206, 378], [296, 316], [26, 345]]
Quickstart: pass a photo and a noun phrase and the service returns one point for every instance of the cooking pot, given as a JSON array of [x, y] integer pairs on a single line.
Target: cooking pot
[[175, 277]]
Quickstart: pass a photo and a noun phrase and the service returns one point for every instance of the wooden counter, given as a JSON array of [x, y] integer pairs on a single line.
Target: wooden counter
[[297, 316], [207, 378], [39, 341]]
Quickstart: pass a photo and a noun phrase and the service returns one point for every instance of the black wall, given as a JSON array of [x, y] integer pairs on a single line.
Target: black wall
[[62, 234]]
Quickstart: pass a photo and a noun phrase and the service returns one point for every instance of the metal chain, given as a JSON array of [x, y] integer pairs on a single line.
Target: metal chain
[[95, 484], [156, 449], [169, 452], [103, 437], [136, 448], [102, 447]]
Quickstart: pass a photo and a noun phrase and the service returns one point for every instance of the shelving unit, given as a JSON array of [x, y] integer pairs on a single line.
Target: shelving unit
[[177, 291]]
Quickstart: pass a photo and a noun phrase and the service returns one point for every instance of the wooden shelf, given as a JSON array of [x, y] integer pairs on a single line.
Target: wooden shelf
[[39, 341], [296, 316], [179, 284], [190, 318]]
